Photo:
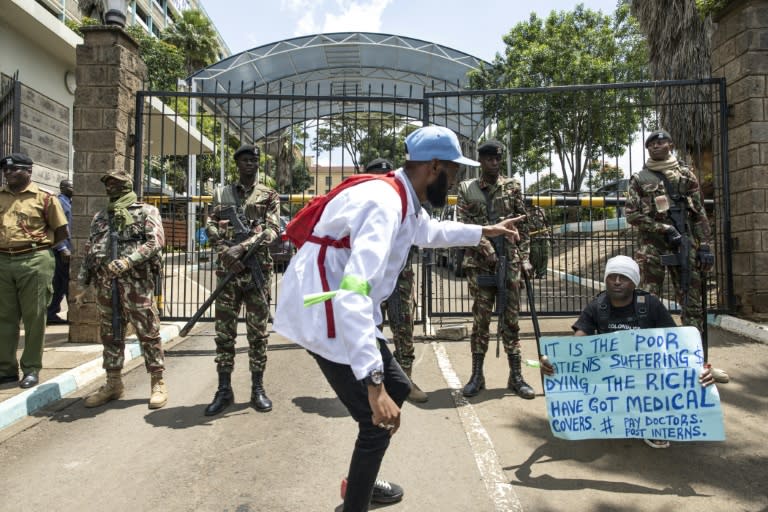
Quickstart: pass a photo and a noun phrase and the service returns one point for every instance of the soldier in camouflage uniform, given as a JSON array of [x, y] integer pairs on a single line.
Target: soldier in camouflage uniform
[[539, 241], [257, 207], [648, 205], [486, 200], [140, 241], [399, 306]]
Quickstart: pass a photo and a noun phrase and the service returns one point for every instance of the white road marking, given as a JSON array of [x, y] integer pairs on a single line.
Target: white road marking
[[500, 491]]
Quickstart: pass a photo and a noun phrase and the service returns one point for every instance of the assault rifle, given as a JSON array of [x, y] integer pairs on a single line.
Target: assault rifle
[[242, 233], [499, 280], [114, 253], [534, 319], [677, 214]]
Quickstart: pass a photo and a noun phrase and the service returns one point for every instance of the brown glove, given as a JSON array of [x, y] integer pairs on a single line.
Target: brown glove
[[118, 266], [231, 258]]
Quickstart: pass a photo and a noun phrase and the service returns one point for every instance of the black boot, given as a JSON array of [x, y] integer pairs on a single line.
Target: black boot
[[259, 397], [476, 381], [516, 382], [224, 396]]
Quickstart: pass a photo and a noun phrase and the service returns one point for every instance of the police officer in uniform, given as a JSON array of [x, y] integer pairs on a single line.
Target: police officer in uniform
[[257, 208], [140, 240], [399, 306], [484, 200], [31, 224]]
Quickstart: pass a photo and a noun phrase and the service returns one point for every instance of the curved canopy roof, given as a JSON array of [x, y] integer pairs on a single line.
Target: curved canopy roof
[[356, 64]]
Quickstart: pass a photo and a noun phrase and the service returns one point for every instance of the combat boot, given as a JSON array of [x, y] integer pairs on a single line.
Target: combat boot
[[224, 396], [112, 390], [159, 395], [259, 398], [515, 382], [416, 395], [477, 380]]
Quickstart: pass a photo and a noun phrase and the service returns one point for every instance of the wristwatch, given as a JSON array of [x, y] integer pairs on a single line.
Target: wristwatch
[[375, 378]]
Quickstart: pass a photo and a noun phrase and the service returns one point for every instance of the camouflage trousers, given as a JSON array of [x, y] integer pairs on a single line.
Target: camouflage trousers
[[137, 307], [539, 256], [228, 305], [482, 309], [652, 274], [399, 308]]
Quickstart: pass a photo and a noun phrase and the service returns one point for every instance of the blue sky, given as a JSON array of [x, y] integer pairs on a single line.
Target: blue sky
[[475, 27]]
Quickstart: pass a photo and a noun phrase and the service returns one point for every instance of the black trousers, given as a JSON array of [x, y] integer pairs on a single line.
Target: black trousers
[[372, 441], [60, 285]]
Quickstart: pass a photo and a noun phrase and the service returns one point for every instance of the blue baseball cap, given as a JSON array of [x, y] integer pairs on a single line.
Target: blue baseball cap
[[435, 142]]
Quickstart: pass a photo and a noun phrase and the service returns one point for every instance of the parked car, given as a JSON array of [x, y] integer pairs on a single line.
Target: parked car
[[282, 250]]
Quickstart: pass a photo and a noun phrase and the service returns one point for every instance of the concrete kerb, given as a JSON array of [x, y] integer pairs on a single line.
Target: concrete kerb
[[33, 399]]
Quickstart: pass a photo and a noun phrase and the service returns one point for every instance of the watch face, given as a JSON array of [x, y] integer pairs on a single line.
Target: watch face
[[377, 377]]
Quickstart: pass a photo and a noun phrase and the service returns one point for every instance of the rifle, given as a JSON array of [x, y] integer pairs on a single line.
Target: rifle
[[534, 321], [222, 283], [242, 233], [117, 321], [677, 213], [499, 280]]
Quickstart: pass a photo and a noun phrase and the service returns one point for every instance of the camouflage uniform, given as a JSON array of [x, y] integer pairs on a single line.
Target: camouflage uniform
[[399, 308], [141, 242], [506, 198], [539, 241], [647, 210], [260, 207]]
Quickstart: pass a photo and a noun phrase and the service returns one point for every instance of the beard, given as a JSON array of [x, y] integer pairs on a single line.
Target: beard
[[437, 192]]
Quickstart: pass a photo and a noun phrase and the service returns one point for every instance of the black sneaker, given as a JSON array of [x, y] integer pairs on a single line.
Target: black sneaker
[[383, 491], [386, 492]]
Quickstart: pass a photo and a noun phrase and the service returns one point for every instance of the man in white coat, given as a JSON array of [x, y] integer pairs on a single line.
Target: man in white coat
[[341, 333]]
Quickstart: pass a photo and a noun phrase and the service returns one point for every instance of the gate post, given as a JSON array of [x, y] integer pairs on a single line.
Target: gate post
[[738, 54], [109, 73]]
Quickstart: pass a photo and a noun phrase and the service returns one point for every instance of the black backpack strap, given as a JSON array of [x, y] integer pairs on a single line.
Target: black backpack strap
[[641, 308], [603, 312]]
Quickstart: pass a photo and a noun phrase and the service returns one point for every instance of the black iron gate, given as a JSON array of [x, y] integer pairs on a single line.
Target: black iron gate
[[310, 142], [10, 114]]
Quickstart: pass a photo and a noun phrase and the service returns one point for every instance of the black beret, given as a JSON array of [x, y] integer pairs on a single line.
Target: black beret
[[16, 160], [491, 147], [379, 165], [247, 148], [658, 134]]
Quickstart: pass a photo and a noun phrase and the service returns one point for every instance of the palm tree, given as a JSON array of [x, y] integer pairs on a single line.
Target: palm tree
[[194, 35], [679, 48]]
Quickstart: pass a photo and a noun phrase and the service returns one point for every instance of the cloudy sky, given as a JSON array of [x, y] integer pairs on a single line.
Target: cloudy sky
[[473, 27]]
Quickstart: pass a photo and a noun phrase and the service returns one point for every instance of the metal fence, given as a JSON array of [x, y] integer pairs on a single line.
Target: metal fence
[[310, 142], [10, 113]]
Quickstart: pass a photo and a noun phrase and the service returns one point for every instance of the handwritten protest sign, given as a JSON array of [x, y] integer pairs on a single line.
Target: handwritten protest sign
[[640, 383]]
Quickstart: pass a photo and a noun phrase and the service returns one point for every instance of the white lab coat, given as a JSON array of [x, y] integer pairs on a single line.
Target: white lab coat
[[370, 213]]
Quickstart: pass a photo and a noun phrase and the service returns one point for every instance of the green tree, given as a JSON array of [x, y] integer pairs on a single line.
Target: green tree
[[365, 136], [194, 35], [602, 174], [577, 47], [546, 182], [165, 62]]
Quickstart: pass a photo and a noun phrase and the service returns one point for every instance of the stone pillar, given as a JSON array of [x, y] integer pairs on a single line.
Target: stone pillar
[[740, 53], [109, 72]]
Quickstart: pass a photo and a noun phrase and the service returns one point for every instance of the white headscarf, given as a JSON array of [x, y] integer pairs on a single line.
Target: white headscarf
[[625, 266]]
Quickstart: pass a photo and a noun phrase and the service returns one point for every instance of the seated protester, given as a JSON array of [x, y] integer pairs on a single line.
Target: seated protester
[[622, 307]]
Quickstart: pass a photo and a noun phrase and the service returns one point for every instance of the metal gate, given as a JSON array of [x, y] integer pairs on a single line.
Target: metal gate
[[310, 142], [10, 113]]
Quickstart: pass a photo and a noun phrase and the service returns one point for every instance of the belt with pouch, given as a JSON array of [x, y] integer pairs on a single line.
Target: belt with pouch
[[24, 249]]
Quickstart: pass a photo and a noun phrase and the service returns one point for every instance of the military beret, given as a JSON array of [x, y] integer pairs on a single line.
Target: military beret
[[491, 147], [118, 175], [247, 148], [19, 160], [658, 134], [379, 165]]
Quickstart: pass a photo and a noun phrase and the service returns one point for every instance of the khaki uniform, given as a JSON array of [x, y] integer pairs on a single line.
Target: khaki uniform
[[27, 222]]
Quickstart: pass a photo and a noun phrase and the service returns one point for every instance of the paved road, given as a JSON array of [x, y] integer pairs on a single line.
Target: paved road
[[494, 453]]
